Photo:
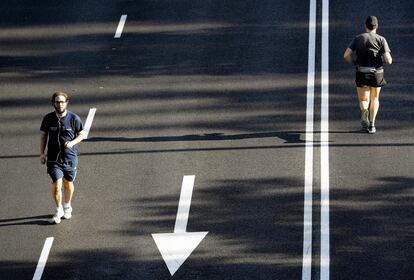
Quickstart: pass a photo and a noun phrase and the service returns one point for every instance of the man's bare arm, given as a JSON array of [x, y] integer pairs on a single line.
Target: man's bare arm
[[43, 140], [79, 137], [387, 58], [348, 56]]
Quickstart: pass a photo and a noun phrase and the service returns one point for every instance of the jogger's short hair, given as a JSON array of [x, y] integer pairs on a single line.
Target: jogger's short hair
[[59, 93]]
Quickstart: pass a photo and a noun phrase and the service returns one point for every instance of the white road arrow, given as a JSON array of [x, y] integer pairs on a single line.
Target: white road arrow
[[176, 247]]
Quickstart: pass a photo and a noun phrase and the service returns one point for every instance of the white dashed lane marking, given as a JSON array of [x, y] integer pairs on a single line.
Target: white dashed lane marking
[[88, 122], [120, 28], [43, 258]]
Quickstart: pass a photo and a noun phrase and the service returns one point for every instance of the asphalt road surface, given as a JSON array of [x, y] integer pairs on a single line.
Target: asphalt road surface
[[220, 90]]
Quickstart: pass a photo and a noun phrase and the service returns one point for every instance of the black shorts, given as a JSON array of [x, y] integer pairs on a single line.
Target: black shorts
[[370, 79]]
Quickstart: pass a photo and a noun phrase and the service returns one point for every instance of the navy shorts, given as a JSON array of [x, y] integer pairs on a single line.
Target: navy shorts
[[57, 170], [370, 79]]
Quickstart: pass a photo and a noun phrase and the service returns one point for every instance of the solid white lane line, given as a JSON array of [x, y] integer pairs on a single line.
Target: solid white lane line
[[88, 122], [121, 24], [308, 188], [325, 232], [43, 258]]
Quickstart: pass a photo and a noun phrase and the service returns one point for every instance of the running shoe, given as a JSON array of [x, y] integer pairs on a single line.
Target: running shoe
[[371, 129], [67, 212], [364, 118], [56, 219]]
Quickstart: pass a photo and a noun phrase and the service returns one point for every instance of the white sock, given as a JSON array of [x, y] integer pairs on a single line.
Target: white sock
[[66, 205], [363, 105]]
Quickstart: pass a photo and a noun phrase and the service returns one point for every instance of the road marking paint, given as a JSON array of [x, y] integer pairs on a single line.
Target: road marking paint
[[325, 239], [121, 24], [184, 204], [88, 122], [308, 189], [43, 258], [176, 247]]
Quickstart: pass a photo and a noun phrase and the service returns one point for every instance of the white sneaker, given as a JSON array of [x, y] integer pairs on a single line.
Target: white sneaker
[[56, 219], [67, 212]]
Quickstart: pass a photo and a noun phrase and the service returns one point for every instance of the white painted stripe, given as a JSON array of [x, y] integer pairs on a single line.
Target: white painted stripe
[[43, 258], [121, 24], [325, 238], [88, 122], [184, 204], [308, 189]]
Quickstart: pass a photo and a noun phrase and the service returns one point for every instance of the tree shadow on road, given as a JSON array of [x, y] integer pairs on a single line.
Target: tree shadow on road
[[371, 229]]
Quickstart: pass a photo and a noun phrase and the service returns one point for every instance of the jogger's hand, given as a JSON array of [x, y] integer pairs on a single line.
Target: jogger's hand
[[42, 159]]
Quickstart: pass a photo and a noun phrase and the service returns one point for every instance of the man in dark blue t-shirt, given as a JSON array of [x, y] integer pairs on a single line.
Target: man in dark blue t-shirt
[[61, 130]]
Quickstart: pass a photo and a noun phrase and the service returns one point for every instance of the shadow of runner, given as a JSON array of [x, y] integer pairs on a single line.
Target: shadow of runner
[[42, 220], [289, 137]]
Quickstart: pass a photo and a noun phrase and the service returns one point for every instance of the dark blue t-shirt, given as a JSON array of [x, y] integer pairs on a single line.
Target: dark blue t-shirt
[[59, 131]]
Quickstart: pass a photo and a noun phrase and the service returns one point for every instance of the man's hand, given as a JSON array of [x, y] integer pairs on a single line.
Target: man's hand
[[42, 159], [69, 145]]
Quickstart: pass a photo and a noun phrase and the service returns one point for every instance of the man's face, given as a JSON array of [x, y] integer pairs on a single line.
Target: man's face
[[60, 104]]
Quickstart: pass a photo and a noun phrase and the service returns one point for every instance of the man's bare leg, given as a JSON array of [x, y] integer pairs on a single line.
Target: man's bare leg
[[69, 190], [374, 103], [57, 197], [57, 192], [363, 98]]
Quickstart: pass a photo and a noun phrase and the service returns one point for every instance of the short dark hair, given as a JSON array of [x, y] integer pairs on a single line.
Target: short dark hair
[[371, 22], [59, 93]]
